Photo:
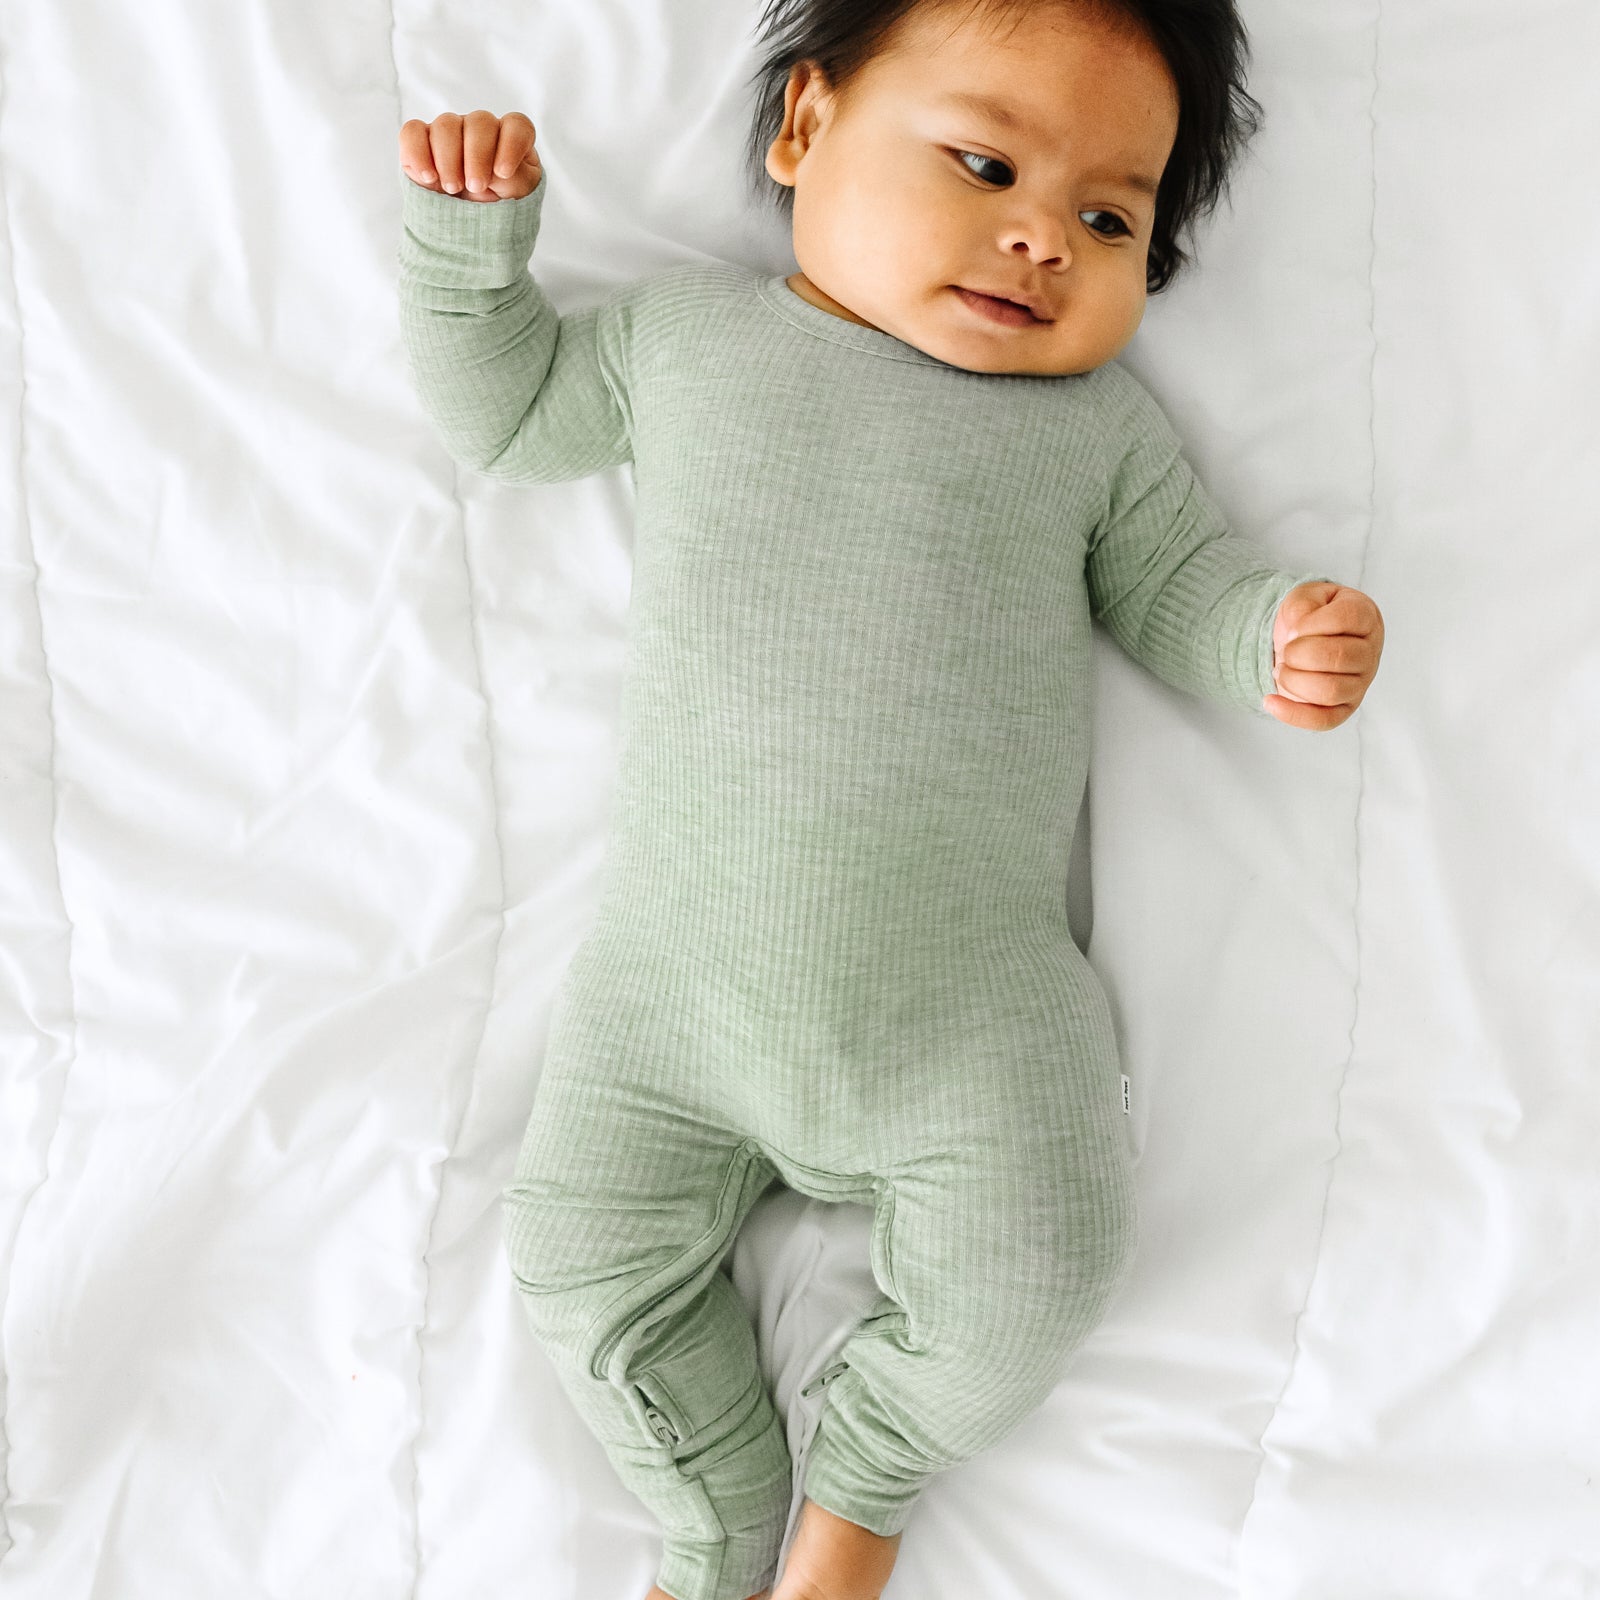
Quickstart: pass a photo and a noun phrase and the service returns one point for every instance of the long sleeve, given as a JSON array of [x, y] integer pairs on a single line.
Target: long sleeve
[[1178, 591], [515, 390]]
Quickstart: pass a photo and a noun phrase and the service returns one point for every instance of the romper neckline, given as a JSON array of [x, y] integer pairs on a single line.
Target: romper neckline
[[774, 290]]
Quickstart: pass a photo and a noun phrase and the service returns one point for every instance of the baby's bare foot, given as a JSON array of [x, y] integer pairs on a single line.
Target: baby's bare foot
[[835, 1559]]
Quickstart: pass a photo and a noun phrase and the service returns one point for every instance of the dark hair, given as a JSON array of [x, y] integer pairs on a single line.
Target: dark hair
[[1203, 43]]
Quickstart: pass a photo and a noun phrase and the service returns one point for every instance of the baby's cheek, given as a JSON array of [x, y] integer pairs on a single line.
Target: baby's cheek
[[1100, 334], [1137, 301]]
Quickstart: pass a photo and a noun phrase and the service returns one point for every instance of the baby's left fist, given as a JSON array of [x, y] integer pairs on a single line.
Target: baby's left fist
[[1326, 641]]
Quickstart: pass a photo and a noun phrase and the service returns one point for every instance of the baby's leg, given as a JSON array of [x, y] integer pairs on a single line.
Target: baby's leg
[[624, 1201], [999, 1242]]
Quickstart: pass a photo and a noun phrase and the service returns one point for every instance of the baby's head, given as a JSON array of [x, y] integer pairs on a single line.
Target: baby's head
[[1111, 126]]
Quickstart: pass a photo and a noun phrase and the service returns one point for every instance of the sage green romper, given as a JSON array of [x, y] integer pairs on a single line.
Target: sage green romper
[[832, 944]]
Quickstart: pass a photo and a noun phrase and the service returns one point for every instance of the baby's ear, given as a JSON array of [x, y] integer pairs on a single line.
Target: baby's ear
[[778, 170]]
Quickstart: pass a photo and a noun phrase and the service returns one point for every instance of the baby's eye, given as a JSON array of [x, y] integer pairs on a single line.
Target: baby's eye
[[963, 155], [1118, 225]]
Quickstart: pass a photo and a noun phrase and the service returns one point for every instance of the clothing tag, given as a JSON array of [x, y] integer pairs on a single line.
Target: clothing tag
[[1127, 1098]]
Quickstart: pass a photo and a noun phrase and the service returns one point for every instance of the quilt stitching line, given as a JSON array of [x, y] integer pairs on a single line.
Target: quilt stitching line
[[488, 1008], [1314, 1275], [472, 620], [26, 522]]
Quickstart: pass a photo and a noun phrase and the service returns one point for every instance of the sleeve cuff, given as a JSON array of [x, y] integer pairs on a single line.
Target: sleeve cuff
[[456, 243]]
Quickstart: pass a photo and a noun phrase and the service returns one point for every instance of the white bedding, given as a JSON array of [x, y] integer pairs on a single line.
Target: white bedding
[[306, 736]]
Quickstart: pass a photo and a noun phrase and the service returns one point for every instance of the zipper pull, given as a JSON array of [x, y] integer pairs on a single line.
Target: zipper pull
[[824, 1378], [660, 1426]]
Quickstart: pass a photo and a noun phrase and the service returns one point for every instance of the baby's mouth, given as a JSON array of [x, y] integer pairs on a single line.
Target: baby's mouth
[[1007, 313]]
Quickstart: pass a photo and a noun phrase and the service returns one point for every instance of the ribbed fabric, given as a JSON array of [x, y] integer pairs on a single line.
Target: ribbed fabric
[[832, 944]]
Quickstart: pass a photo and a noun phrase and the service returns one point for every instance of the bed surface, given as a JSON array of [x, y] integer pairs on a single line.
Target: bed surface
[[306, 735]]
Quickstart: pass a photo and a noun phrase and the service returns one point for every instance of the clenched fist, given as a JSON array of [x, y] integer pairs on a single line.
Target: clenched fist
[[1326, 640], [491, 157]]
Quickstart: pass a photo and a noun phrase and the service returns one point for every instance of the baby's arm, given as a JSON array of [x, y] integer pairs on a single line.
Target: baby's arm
[[1179, 593], [514, 389]]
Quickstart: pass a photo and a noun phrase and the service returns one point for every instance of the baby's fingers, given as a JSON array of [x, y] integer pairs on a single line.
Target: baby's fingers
[[1322, 688], [1330, 652], [480, 136], [416, 158], [516, 144], [1314, 719]]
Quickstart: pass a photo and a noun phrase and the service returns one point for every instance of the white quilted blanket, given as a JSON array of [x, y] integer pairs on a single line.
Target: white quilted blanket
[[305, 741]]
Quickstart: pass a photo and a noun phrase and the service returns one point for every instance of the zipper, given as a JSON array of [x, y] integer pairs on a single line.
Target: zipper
[[601, 1358], [660, 1425], [823, 1378]]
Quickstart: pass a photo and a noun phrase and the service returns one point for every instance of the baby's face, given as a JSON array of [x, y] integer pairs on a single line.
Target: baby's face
[[904, 197]]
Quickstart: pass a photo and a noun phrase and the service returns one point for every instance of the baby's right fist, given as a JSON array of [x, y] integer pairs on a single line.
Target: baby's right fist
[[491, 158]]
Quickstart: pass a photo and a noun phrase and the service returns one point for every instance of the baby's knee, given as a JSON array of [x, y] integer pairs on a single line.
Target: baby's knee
[[1096, 1256], [1035, 1302], [561, 1284], [528, 1226], [1094, 1250]]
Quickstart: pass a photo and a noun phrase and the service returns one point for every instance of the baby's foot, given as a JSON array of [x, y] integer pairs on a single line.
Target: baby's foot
[[835, 1559]]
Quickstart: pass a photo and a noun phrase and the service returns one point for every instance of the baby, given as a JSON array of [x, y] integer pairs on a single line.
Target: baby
[[879, 501]]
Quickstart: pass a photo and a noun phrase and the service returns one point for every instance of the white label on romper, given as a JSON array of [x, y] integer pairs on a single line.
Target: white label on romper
[[1127, 1098]]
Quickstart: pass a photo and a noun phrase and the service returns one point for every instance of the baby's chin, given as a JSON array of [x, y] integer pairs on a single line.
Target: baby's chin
[[1023, 355], [942, 324]]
